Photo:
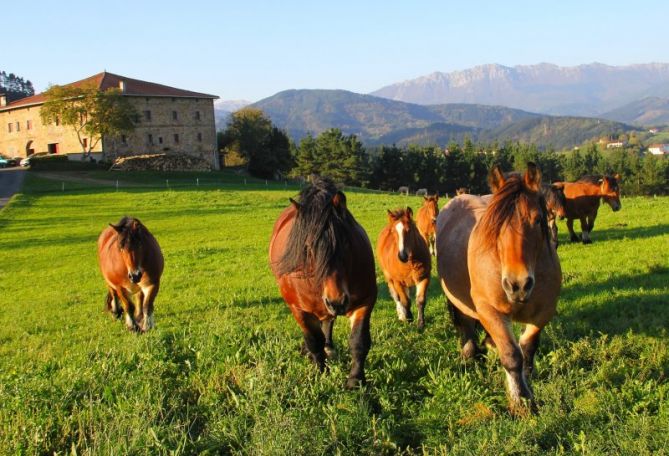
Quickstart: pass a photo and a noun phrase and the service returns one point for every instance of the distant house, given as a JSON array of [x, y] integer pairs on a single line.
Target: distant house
[[653, 130], [659, 149], [170, 120], [615, 144]]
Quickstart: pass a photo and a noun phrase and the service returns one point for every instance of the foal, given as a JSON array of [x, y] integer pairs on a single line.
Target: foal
[[405, 262], [427, 219], [131, 263]]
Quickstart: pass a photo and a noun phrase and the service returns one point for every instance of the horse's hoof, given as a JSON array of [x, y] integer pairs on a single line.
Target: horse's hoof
[[355, 383], [330, 352], [587, 241], [523, 408], [469, 350], [421, 324]]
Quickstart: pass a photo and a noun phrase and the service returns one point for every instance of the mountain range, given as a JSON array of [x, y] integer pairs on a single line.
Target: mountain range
[[378, 120], [584, 90]]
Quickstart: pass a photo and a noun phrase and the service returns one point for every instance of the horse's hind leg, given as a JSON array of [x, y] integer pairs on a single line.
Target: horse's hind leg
[[421, 299], [466, 326], [111, 304], [326, 327]]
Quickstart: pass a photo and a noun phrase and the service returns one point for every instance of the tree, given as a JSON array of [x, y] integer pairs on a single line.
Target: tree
[[92, 113], [266, 149]]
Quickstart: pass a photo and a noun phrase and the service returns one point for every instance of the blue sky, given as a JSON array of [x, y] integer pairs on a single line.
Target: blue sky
[[248, 49]]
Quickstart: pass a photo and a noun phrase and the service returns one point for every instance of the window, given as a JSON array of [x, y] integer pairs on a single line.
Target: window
[[10, 127], [197, 115], [173, 100], [18, 126], [124, 140], [147, 116], [84, 142], [57, 121], [160, 139], [175, 116], [150, 138], [176, 138], [29, 124], [199, 137]]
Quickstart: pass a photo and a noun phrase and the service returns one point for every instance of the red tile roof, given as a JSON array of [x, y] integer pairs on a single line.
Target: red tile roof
[[104, 81]]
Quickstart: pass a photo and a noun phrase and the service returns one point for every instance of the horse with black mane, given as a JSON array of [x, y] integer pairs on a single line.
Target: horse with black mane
[[323, 263], [131, 263], [582, 202], [555, 206], [496, 266]]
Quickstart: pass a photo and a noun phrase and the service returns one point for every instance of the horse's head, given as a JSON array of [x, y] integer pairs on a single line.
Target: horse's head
[[402, 223], [431, 203], [515, 225], [319, 243], [130, 235], [610, 191], [555, 199]]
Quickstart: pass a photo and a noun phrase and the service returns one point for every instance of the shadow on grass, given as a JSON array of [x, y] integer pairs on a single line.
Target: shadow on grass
[[615, 234], [627, 302]]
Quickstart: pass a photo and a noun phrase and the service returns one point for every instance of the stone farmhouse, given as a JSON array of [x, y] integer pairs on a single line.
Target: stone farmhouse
[[169, 120]]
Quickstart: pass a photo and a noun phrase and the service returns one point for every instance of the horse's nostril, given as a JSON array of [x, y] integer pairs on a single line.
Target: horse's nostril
[[529, 284]]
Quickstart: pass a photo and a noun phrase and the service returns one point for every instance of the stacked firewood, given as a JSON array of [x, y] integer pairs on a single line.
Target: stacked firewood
[[161, 162]]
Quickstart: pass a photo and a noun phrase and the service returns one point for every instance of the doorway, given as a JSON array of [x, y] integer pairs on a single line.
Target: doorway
[[53, 148], [29, 149]]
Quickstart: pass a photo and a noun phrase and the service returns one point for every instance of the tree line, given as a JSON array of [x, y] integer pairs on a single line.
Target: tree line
[[251, 139], [15, 87]]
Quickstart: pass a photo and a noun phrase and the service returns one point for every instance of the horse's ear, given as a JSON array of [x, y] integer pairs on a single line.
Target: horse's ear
[[426, 198], [618, 177], [495, 178], [532, 177], [391, 216], [436, 197], [558, 185], [409, 211], [117, 228], [295, 204]]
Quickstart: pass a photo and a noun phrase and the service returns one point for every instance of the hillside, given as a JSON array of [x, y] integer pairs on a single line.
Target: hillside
[[381, 121], [650, 111], [584, 90]]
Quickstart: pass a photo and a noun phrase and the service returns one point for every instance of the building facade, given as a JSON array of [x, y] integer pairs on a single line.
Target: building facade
[[169, 120]]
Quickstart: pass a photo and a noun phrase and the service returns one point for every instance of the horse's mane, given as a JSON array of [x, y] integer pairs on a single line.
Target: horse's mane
[[591, 179], [554, 198], [320, 236], [128, 237], [503, 207], [398, 213]]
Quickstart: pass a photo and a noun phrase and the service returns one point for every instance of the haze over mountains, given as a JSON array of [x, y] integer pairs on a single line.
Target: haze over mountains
[[544, 104], [584, 90]]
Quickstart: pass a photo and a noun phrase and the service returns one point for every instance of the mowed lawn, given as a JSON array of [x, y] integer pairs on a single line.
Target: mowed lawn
[[222, 374]]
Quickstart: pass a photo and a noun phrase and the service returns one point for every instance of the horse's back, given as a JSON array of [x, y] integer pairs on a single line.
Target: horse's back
[[581, 199], [455, 224]]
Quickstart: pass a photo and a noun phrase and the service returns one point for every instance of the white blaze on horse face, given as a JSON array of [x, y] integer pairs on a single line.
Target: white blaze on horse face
[[399, 227]]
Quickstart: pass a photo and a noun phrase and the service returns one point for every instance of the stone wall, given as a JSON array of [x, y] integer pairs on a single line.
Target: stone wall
[[18, 142], [155, 133]]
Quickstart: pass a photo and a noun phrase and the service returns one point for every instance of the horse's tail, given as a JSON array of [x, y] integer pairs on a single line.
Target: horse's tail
[[108, 301]]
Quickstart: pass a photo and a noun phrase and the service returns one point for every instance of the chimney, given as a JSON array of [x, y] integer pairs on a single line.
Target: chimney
[[3, 100], [121, 85]]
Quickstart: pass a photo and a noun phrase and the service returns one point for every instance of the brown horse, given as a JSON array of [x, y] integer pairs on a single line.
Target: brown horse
[[131, 263], [555, 205], [323, 263], [496, 266], [405, 262], [582, 202], [426, 220]]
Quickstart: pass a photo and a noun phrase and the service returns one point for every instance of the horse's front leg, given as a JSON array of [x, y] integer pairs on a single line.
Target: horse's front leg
[[529, 342], [500, 329], [590, 224], [421, 299], [148, 296], [326, 327], [570, 226], [128, 305], [402, 300], [314, 339], [359, 342]]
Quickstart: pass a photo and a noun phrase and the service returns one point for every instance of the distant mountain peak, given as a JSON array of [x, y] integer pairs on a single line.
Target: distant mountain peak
[[586, 90]]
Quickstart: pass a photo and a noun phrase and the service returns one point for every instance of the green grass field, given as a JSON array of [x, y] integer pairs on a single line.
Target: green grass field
[[222, 373]]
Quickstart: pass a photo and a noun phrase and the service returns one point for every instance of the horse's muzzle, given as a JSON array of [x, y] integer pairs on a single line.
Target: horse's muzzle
[[518, 291], [337, 307], [135, 276]]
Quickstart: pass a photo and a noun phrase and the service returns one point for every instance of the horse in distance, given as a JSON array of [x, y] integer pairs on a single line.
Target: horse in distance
[[583, 199], [405, 262], [323, 263], [496, 266], [555, 206], [426, 220], [131, 263]]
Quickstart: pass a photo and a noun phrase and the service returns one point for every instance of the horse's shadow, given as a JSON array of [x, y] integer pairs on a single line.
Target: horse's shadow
[[618, 232]]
